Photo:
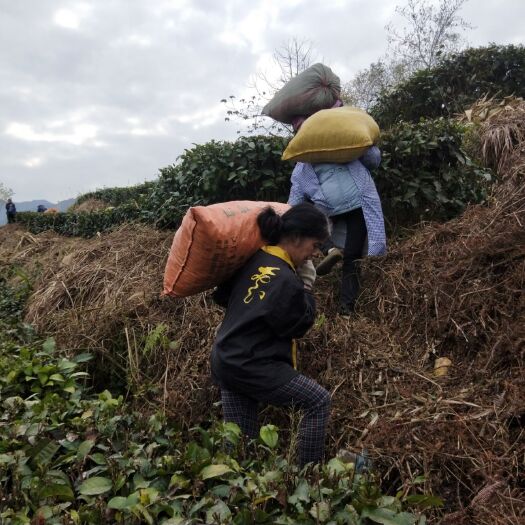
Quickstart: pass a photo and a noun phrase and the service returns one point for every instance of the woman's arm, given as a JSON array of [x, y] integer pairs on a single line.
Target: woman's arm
[[371, 158], [375, 223], [297, 195], [291, 311]]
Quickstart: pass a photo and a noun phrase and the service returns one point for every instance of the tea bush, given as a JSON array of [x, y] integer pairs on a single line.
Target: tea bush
[[424, 174], [454, 84], [248, 169], [81, 224], [119, 196]]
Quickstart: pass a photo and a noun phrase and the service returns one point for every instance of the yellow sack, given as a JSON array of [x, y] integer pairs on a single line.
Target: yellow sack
[[333, 135]]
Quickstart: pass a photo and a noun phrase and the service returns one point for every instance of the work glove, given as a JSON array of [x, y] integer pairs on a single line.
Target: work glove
[[307, 273]]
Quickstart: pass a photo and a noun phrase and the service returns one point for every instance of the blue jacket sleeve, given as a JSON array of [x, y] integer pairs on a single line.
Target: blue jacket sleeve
[[297, 195], [371, 158]]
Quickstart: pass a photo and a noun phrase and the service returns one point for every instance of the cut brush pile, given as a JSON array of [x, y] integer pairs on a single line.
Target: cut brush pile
[[451, 290]]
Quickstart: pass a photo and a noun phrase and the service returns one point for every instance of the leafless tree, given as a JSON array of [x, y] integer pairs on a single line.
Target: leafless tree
[[5, 192], [290, 59], [363, 90], [429, 32]]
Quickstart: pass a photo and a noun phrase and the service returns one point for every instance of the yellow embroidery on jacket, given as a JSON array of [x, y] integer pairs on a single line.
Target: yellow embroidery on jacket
[[264, 277]]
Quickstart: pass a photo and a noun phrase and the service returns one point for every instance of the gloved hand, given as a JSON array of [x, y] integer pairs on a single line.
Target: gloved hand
[[307, 273]]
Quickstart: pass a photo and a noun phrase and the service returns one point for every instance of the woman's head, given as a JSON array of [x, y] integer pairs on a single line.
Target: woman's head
[[301, 230]]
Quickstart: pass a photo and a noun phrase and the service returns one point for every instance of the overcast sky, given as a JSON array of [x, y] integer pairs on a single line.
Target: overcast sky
[[102, 93]]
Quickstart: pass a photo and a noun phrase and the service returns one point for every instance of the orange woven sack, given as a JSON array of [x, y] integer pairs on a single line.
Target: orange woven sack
[[212, 243]]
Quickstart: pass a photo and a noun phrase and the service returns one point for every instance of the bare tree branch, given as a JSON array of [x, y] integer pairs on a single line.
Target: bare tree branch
[[290, 59], [5, 192], [430, 32]]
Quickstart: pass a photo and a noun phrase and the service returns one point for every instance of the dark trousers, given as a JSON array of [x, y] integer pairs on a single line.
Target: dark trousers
[[353, 251], [11, 217], [301, 392]]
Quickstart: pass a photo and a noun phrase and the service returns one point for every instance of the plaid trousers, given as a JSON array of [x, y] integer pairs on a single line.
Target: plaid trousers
[[301, 392]]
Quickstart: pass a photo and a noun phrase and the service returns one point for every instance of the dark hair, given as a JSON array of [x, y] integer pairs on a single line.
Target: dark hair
[[302, 220]]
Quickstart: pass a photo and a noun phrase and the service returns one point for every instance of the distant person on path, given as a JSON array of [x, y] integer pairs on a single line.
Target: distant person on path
[[10, 211], [347, 194], [268, 304]]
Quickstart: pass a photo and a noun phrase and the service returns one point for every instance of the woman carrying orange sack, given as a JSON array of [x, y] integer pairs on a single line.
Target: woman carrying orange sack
[[268, 304]]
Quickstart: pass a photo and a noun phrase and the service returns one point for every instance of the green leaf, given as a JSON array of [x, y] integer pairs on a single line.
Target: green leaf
[[269, 435], [84, 449], [197, 456], [176, 520], [179, 481], [148, 496], [302, 493], [221, 491], [6, 459], [271, 476], [336, 466], [418, 480], [82, 358], [213, 471], [94, 486], [98, 458], [49, 345], [219, 513], [56, 476], [44, 512], [231, 432], [388, 517], [320, 511], [43, 452], [56, 490], [118, 502]]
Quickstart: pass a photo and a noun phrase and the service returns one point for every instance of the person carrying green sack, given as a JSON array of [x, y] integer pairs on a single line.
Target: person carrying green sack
[[347, 194]]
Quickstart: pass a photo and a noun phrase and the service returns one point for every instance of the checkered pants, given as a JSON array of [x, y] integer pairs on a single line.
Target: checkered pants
[[301, 392]]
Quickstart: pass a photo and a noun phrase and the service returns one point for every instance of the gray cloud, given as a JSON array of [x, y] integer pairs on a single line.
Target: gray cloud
[[103, 93]]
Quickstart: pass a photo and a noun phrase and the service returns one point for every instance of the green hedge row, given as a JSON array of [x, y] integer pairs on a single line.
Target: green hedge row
[[82, 224], [248, 169], [455, 84], [424, 175], [119, 196]]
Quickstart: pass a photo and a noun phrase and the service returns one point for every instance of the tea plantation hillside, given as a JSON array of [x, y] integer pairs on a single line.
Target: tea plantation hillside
[[109, 414]]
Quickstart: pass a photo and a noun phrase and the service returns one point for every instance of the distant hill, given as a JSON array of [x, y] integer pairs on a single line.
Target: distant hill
[[32, 205]]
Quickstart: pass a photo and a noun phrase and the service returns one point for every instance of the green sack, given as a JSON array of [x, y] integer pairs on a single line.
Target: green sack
[[314, 89]]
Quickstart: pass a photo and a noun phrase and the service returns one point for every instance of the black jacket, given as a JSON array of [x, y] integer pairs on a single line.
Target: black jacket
[[267, 307]]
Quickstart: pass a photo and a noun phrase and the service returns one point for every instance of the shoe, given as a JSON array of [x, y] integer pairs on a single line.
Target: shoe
[[362, 463], [326, 265]]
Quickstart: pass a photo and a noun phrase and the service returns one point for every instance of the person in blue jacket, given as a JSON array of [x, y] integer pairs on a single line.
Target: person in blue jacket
[[10, 211], [269, 304], [348, 195]]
